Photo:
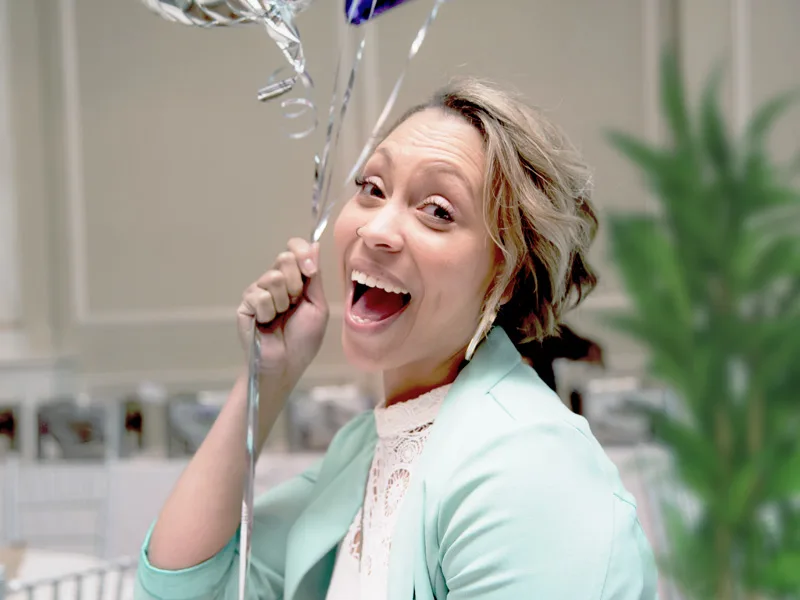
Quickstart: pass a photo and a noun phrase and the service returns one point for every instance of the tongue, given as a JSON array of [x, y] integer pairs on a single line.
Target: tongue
[[376, 305]]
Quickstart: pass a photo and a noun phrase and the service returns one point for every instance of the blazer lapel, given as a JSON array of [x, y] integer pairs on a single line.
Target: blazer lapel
[[328, 516], [408, 568]]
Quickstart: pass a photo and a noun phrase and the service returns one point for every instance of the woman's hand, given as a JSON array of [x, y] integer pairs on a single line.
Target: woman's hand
[[290, 310], [289, 304]]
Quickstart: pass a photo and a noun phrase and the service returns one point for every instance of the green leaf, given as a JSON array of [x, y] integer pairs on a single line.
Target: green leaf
[[764, 118], [744, 489], [654, 335], [673, 100], [782, 573], [691, 560], [697, 462], [778, 348], [650, 267], [714, 134], [671, 369], [784, 481], [649, 159], [762, 259]]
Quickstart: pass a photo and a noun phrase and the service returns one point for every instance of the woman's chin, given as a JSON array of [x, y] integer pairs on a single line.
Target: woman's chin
[[362, 355]]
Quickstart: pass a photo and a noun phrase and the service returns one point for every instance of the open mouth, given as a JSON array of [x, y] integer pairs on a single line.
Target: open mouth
[[375, 300]]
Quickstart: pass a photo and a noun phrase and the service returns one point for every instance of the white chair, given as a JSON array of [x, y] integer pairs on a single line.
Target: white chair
[[113, 580]]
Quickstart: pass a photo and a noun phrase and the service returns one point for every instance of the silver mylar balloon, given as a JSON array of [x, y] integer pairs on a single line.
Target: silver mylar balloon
[[216, 13], [276, 15]]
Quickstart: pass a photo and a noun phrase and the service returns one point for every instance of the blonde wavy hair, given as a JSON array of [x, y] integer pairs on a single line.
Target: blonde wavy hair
[[536, 206]]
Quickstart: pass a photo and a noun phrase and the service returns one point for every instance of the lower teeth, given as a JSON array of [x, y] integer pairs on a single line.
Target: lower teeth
[[360, 320]]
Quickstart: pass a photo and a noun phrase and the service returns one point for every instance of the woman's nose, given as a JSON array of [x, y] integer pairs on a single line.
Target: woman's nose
[[383, 231]]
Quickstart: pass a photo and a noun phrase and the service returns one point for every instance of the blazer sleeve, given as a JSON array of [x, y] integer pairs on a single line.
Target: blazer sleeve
[[536, 515], [217, 578]]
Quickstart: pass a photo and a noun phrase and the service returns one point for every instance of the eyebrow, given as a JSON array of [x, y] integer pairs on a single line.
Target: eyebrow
[[387, 155], [438, 166], [447, 169]]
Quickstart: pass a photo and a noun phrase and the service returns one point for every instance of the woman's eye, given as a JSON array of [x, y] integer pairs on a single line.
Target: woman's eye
[[437, 211], [369, 188]]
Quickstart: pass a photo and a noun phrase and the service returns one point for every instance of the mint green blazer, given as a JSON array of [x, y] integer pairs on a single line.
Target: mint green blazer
[[513, 499]]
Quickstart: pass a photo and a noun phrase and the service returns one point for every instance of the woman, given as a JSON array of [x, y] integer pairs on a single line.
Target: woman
[[467, 234]]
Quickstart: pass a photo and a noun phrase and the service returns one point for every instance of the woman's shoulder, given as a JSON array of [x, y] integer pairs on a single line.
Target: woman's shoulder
[[526, 399], [529, 477], [521, 428], [517, 403]]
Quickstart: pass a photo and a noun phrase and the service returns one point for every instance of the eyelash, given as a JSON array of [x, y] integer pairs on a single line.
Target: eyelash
[[361, 182], [439, 204]]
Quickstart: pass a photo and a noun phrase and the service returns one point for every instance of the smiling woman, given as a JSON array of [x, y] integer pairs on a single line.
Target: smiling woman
[[466, 237]]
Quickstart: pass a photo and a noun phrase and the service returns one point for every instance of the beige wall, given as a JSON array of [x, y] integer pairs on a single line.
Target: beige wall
[[149, 187]]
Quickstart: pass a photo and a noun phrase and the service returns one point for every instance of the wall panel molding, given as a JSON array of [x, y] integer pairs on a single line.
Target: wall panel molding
[[73, 154], [189, 314], [10, 313], [204, 379]]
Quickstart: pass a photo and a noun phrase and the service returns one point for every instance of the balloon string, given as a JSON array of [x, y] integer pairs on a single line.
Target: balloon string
[[251, 443], [376, 130], [322, 208], [321, 203]]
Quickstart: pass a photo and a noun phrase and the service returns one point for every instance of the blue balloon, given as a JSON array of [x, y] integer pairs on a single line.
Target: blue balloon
[[358, 11]]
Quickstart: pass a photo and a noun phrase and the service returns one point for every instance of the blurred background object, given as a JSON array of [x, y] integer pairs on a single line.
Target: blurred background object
[[8, 427], [566, 345], [69, 430], [315, 415]]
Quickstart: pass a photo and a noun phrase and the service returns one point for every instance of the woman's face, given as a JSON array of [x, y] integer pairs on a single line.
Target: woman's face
[[414, 250]]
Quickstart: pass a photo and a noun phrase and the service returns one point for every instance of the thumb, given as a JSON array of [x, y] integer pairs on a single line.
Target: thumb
[[314, 291]]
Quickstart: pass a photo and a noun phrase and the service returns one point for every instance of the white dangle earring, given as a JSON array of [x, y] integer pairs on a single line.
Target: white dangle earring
[[484, 327]]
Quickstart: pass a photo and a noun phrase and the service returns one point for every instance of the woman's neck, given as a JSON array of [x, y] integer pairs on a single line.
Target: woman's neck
[[412, 380]]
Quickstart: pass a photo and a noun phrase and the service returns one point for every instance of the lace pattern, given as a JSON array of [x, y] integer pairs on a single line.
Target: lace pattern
[[403, 430]]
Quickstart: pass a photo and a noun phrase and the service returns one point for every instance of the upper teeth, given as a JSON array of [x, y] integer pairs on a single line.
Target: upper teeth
[[374, 282]]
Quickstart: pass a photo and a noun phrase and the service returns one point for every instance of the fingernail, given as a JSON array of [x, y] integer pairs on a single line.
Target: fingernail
[[309, 267]]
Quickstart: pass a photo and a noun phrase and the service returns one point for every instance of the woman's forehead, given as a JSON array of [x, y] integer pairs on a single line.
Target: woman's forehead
[[433, 135]]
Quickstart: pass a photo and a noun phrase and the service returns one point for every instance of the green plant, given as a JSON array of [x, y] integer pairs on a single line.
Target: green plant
[[714, 281]]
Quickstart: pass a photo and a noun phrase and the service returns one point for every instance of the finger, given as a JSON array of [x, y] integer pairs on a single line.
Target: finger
[[264, 306], [286, 263], [305, 255], [257, 304], [246, 310], [275, 283], [314, 291]]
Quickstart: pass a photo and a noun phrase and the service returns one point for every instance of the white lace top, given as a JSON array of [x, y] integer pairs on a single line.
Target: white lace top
[[362, 563]]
